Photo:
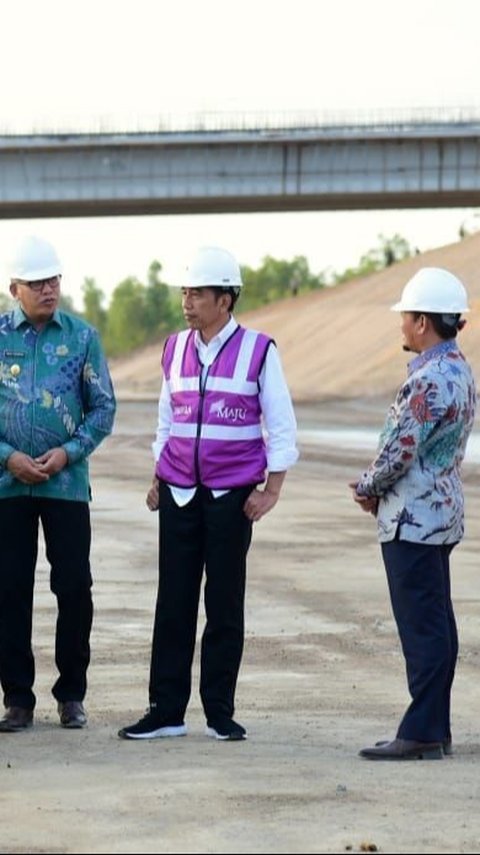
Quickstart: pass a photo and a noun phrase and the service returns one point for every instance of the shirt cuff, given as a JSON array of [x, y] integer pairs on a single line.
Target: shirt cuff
[[282, 462], [73, 450], [5, 451]]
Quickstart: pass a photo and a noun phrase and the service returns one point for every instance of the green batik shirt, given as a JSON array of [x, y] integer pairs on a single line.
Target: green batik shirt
[[55, 390]]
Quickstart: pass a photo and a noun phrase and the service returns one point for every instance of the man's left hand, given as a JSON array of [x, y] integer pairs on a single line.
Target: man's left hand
[[369, 504], [259, 503], [53, 461]]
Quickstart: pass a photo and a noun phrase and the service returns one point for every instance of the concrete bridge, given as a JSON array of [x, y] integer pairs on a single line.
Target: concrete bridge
[[408, 164]]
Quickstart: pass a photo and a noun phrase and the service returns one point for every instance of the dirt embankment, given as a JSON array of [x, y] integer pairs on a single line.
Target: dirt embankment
[[340, 342]]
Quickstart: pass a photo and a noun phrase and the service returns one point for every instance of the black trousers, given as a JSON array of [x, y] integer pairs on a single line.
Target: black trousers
[[419, 582], [66, 527], [215, 535]]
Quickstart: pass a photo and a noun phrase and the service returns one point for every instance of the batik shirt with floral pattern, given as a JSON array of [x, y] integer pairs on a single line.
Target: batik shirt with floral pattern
[[416, 473], [55, 390]]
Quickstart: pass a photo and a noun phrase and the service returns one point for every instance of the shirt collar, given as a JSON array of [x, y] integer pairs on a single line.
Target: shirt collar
[[434, 352], [19, 318], [221, 336]]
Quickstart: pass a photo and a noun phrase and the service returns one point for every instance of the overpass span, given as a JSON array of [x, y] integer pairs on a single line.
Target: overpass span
[[413, 165]]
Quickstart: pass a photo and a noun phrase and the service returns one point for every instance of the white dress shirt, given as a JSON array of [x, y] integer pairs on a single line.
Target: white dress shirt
[[278, 415]]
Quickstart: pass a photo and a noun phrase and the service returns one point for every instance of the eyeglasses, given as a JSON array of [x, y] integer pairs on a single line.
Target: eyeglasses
[[40, 284]]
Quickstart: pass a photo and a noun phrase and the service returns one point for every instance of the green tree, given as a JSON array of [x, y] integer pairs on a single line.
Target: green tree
[[160, 316], [127, 326], [276, 279], [388, 251], [93, 310]]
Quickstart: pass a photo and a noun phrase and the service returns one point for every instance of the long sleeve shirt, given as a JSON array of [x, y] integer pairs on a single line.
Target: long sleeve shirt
[[55, 391], [275, 401], [416, 473]]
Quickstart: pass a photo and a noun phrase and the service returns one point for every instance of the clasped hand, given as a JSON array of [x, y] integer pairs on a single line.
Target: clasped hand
[[31, 470], [369, 504]]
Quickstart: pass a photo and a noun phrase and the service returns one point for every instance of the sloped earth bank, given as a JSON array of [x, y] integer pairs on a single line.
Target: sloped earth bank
[[322, 677], [342, 341]]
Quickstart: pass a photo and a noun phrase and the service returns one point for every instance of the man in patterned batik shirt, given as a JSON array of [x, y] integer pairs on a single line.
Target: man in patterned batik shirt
[[413, 486], [56, 406]]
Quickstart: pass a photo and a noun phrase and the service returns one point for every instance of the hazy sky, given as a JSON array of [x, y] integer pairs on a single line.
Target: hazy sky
[[65, 65]]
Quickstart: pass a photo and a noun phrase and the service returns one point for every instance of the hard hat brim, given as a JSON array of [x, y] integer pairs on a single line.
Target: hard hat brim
[[400, 307], [37, 274]]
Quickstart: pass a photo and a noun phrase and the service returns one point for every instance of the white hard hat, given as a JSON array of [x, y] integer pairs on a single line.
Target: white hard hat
[[213, 267], [433, 290], [34, 258]]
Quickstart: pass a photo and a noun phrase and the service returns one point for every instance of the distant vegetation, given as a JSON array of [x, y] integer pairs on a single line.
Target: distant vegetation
[[140, 313], [388, 251]]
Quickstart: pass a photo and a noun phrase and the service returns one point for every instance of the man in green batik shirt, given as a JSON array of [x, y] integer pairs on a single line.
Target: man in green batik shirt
[[56, 405]]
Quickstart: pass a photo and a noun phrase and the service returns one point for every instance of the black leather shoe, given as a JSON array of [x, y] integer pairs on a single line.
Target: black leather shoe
[[404, 749], [446, 745], [72, 714], [16, 718]]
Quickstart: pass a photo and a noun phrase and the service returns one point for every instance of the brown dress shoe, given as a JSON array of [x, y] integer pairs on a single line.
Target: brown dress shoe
[[446, 745], [72, 714], [16, 718], [404, 749]]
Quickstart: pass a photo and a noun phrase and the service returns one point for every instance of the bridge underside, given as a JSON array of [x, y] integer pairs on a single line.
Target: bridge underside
[[236, 204], [208, 174]]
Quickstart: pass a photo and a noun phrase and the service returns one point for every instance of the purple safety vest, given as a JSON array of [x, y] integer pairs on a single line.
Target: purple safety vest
[[216, 434]]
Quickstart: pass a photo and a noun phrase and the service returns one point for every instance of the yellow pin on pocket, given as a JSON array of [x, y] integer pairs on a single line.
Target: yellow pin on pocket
[[15, 370]]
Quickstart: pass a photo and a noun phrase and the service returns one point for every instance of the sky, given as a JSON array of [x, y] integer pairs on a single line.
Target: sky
[[103, 64]]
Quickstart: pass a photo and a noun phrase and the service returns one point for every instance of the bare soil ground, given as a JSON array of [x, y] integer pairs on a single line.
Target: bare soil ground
[[322, 677]]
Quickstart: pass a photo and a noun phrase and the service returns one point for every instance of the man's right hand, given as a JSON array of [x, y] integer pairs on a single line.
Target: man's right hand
[[25, 469], [153, 498]]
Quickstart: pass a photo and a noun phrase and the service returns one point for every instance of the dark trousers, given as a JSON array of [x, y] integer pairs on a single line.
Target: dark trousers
[[419, 582], [211, 534], [66, 527]]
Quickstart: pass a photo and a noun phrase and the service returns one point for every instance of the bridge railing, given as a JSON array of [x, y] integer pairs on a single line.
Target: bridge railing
[[370, 119]]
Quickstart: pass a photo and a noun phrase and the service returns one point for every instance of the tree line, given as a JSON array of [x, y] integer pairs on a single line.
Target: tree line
[[143, 312]]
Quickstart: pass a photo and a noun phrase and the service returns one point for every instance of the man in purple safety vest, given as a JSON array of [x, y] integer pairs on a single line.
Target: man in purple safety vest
[[215, 476]]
